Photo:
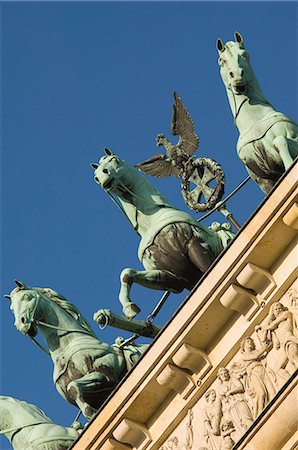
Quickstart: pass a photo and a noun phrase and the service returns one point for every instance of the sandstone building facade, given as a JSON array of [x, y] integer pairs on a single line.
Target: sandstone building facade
[[222, 374]]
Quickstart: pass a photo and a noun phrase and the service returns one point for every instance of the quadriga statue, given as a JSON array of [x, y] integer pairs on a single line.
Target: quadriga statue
[[175, 250], [268, 141], [86, 370], [28, 428]]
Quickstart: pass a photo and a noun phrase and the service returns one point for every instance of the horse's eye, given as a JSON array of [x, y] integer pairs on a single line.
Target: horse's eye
[[105, 170], [245, 55]]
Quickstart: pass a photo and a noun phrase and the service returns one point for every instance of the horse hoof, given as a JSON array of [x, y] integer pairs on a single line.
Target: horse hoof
[[89, 412], [131, 310]]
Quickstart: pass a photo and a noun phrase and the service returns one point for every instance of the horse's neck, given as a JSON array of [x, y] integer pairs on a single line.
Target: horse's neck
[[26, 437], [22, 438], [19, 430], [141, 204], [62, 322], [249, 108]]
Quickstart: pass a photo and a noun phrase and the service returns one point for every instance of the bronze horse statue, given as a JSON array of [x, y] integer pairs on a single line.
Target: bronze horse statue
[[175, 250], [28, 428], [268, 140], [86, 370]]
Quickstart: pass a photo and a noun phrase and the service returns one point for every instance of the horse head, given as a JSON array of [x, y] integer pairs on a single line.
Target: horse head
[[111, 173], [234, 64], [24, 306]]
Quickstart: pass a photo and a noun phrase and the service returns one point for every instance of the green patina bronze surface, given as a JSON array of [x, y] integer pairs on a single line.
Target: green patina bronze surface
[[174, 249], [86, 370], [28, 428], [178, 161], [105, 317], [268, 141]]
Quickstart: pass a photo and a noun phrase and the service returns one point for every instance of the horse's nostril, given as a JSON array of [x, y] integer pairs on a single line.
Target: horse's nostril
[[23, 319], [105, 170]]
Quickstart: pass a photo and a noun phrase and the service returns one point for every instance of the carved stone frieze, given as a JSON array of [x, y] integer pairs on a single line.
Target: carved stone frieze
[[182, 441], [265, 360]]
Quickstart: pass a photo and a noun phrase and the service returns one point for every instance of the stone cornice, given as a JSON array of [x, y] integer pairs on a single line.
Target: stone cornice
[[233, 297]]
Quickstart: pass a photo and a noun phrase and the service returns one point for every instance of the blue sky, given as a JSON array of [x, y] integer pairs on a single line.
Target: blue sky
[[79, 76]]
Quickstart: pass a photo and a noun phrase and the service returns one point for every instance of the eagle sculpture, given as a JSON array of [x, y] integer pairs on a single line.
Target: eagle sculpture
[[174, 161]]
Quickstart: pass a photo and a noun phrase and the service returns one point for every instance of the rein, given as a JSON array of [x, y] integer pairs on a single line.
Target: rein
[[16, 430], [40, 346], [53, 327], [235, 106], [237, 111], [134, 195], [119, 207], [47, 325]]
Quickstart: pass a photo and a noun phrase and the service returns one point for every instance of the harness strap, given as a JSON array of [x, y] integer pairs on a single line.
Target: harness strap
[[53, 327], [17, 429], [34, 445], [40, 346], [158, 307]]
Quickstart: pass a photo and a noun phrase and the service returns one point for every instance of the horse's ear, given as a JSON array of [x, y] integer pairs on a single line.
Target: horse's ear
[[220, 45], [108, 151], [238, 38], [7, 296], [94, 165], [19, 284]]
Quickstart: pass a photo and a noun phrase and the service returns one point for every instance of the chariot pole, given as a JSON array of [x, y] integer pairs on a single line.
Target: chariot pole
[[104, 318], [229, 216]]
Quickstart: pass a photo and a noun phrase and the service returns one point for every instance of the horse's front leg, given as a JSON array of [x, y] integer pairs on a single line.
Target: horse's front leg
[[153, 279], [287, 149]]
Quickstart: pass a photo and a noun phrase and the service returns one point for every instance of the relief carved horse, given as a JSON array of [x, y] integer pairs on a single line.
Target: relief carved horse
[[28, 428], [268, 141], [175, 250], [86, 370]]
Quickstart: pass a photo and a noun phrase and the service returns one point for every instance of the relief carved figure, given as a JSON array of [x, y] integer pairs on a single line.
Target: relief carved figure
[[227, 428], [234, 403], [174, 444], [257, 382], [279, 328], [212, 419]]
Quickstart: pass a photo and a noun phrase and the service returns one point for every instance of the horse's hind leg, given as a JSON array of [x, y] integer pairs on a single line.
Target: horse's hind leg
[[199, 256], [287, 149], [153, 279], [78, 389], [265, 184]]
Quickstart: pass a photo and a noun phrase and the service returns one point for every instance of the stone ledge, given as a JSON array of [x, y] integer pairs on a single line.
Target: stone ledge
[[266, 242]]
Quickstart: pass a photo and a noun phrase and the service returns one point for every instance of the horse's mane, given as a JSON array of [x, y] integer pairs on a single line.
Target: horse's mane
[[143, 193], [71, 309], [28, 406]]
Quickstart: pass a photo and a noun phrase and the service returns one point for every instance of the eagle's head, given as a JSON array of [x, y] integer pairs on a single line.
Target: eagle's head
[[160, 139]]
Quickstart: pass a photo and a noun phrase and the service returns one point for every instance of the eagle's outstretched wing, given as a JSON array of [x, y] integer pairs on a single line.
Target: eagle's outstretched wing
[[182, 125], [159, 166]]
